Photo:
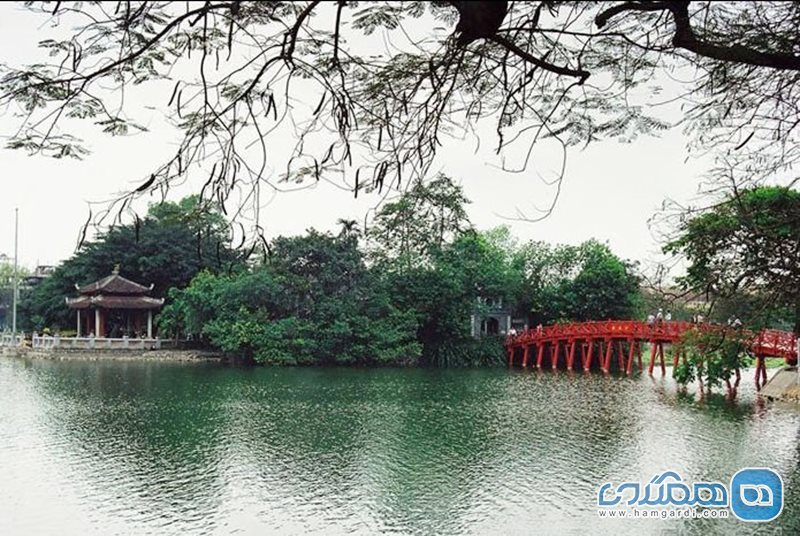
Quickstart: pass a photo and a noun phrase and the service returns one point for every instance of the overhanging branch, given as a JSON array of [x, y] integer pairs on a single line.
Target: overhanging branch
[[686, 39], [509, 45]]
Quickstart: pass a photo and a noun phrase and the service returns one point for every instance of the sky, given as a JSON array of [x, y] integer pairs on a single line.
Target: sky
[[610, 190]]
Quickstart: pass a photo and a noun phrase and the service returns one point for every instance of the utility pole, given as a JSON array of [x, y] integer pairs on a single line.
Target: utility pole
[[16, 282]]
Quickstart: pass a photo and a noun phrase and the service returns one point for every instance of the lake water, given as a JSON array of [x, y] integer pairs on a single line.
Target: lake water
[[156, 448]]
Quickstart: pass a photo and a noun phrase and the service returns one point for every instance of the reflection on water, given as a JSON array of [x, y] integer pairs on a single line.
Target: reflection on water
[[155, 448]]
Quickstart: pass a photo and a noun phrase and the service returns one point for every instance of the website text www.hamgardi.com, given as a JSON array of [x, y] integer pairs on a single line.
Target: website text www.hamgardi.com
[[679, 513]]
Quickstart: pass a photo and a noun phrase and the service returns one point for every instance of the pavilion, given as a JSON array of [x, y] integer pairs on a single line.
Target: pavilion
[[114, 307]]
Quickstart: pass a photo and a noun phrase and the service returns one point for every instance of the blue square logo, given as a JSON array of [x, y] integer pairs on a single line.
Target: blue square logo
[[756, 494]]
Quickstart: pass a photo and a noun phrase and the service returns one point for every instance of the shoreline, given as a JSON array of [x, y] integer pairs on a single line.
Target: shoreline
[[79, 354]]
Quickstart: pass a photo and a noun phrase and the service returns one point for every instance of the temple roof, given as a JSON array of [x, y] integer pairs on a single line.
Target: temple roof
[[115, 284], [115, 302]]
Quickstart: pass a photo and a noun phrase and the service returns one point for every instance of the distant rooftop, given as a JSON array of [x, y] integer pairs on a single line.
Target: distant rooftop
[[115, 284]]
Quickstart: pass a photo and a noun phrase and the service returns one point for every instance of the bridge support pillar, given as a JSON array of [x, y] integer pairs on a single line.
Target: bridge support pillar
[[510, 356], [761, 372], [653, 350], [540, 356], [525, 351], [587, 356], [639, 354], [571, 356], [554, 355], [631, 349], [607, 360]]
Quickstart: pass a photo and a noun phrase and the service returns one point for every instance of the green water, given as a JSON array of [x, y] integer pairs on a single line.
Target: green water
[[174, 449]]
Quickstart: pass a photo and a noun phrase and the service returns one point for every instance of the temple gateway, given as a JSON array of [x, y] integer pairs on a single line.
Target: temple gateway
[[115, 307]]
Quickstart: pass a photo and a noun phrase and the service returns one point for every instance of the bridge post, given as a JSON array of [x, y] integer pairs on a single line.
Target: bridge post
[[758, 373], [639, 353], [525, 351], [607, 360], [587, 358], [661, 353], [510, 356], [540, 357], [761, 372], [653, 349], [675, 356], [571, 357], [554, 355], [631, 348], [620, 356]]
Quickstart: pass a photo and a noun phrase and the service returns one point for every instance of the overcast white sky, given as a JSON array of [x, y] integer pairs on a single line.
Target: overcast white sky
[[609, 192]]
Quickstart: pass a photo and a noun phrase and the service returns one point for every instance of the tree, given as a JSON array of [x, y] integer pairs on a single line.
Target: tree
[[585, 282], [7, 289], [7, 274], [711, 358], [568, 72], [443, 293], [751, 240], [312, 302], [167, 248], [411, 230], [606, 287]]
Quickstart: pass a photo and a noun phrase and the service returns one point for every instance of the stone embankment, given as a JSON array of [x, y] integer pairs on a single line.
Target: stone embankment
[[784, 386]]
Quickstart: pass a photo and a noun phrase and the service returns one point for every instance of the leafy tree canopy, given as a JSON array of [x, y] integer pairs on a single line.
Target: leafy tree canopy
[[313, 302], [585, 282], [751, 240], [412, 229]]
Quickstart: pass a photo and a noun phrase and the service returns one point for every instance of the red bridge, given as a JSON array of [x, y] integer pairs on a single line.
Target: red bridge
[[615, 343]]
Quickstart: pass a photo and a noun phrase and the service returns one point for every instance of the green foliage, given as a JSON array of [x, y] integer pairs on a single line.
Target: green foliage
[[749, 241], [712, 357], [313, 302], [316, 301], [585, 282], [411, 230], [7, 274]]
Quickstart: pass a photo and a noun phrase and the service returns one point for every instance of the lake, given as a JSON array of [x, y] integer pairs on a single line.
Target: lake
[[131, 448]]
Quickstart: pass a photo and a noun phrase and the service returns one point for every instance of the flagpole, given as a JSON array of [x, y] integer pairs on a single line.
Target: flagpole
[[16, 283]]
